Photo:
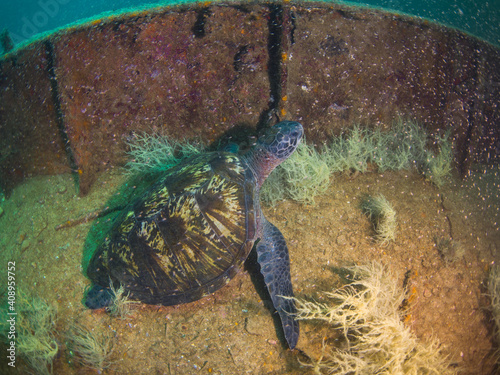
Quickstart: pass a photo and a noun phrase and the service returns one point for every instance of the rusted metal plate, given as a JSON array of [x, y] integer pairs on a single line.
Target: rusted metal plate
[[201, 71], [192, 73], [350, 66], [29, 138]]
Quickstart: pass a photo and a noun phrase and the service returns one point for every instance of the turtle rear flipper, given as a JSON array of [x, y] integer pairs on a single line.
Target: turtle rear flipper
[[272, 255], [98, 297]]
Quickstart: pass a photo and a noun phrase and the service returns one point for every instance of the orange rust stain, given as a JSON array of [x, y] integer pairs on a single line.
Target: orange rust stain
[[413, 295]]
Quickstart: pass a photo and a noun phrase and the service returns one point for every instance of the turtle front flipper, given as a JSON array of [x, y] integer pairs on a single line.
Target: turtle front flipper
[[272, 255]]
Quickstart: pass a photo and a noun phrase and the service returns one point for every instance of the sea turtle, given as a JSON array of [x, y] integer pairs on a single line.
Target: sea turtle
[[191, 232]]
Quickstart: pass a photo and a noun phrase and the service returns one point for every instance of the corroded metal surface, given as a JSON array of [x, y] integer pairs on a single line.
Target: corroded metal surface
[[355, 66], [30, 143], [201, 71], [156, 72]]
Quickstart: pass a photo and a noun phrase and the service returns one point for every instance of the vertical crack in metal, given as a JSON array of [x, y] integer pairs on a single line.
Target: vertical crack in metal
[[274, 70], [274, 48], [54, 89], [466, 156], [199, 25]]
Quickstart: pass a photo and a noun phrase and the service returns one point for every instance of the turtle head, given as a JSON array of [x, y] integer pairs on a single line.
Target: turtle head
[[273, 147], [281, 140]]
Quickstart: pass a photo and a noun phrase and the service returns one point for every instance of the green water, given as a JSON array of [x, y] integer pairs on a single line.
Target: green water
[[480, 18]]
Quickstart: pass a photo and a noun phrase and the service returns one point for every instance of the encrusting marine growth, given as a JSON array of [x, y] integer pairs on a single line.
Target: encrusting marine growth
[[35, 325], [494, 293], [404, 146], [438, 166], [367, 312], [383, 217], [90, 348], [306, 174], [153, 153], [120, 303]]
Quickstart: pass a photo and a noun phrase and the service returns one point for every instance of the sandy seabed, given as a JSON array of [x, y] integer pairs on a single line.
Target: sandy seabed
[[233, 330]]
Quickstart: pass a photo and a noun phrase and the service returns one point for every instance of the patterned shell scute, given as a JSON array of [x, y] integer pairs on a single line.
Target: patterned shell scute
[[187, 232]]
